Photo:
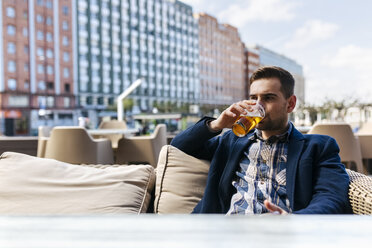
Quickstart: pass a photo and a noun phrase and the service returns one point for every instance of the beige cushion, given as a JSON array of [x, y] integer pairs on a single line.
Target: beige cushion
[[31, 185], [180, 181]]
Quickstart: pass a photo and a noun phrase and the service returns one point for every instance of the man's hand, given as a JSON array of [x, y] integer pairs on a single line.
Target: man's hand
[[274, 209], [229, 115]]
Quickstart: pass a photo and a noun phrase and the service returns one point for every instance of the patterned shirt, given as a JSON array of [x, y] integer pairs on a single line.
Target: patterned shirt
[[262, 175]]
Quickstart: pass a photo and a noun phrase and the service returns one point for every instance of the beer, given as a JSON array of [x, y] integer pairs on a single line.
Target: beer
[[244, 124]]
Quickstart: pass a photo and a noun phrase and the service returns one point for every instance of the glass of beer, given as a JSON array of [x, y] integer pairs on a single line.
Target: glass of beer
[[248, 121]]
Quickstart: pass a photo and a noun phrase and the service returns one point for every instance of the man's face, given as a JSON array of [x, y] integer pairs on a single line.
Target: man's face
[[267, 92]]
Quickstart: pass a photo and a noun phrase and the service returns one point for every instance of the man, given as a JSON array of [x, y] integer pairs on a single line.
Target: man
[[274, 168]]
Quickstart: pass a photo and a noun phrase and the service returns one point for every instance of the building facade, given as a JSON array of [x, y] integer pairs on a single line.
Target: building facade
[[268, 57], [251, 64], [221, 62], [121, 41], [36, 72]]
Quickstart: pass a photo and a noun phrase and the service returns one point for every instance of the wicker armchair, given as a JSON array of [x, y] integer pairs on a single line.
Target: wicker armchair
[[360, 192]]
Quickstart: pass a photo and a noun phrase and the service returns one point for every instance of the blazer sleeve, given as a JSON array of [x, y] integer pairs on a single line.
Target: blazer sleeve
[[330, 182], [198, 140]]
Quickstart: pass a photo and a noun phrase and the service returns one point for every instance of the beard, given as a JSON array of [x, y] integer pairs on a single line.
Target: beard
[[268, 124]]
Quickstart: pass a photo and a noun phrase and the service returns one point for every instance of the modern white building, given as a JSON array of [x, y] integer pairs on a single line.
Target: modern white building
[[120, 41]]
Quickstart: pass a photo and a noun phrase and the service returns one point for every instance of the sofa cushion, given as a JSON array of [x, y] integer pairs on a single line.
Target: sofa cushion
[[180, 181], [31, 185]]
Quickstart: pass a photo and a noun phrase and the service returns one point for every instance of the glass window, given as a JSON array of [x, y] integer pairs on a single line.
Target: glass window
[[40, 35], [11, 48], [40, 69], [66, 56], [65, 41], [39, 18], [26, 84], [67, 87], [65, 10], [49, 4], [10, 12], [49, 53], [65, 25], [11, 29], [12, 84], [49, 37], [25, 32], [66, 101], [25, 49], [66, 72], [11, 66], [26, 67], [40, 2], [50, 69], [40, 51], [49, 21], [41, 85]]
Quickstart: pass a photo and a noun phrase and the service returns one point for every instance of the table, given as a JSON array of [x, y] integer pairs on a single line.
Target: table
[[150, 230], [123, 132]]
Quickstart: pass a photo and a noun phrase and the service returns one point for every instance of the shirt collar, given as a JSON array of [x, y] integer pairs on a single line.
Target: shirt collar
[[284, 137]]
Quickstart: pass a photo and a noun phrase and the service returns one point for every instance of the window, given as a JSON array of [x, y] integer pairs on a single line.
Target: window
[[67, 88], [11, 66], [66, 102], [11, 48], [65, 41], [64, 25], [40, 69], [39, 18], [49, 4], [11, 29], [65, 10], [25, 49], [49, 21], [25, 14], [40, 35], [40, 52], [66, 72], [26, 67], [12, 84], [25, 32], [50, 70], [10, 12], [41, 85], [40, 2], [49, 53], [49, 37], [50, 85], [26, 85], [66, 56]]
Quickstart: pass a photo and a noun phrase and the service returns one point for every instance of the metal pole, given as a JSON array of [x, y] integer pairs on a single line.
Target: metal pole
[[123, 95]]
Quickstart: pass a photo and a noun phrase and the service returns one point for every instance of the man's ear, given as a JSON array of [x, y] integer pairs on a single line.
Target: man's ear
[[291, 103]]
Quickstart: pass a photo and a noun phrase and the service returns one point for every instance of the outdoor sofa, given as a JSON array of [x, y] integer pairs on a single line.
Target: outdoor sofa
[[31, 185]]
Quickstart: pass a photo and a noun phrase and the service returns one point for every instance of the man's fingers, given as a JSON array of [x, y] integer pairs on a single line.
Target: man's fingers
[[273, 208]]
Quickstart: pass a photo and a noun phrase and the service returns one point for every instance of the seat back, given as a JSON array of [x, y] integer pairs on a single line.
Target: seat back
[[349, 146], [71, 145], [142, 149], [112, 124], [366, 128]]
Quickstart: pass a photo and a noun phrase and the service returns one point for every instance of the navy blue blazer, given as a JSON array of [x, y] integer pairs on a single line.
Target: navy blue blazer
[[316, 180]]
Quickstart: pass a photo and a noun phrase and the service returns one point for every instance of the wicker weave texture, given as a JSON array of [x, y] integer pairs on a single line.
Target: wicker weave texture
[[360, 192]]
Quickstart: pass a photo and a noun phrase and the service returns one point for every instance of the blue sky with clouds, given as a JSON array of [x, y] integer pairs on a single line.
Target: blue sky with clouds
[[331, 39]]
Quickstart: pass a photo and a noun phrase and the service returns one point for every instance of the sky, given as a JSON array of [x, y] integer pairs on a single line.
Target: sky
[[331, 39]]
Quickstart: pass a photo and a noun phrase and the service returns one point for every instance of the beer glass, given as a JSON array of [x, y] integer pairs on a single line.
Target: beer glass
[[248, 121]]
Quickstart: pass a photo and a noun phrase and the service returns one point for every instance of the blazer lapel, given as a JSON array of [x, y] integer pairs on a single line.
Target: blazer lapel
[[295, 147]]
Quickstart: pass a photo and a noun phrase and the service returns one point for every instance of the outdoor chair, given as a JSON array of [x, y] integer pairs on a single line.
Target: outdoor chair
[[43, 136], [366, 128], [74, 145], [142, 149], [112, 124], [349, 145]]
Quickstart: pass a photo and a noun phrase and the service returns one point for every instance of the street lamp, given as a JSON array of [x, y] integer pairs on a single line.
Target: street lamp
[[126, 93]]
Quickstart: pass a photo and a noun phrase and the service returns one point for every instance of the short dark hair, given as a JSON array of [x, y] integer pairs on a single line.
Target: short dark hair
[[286, 79]]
